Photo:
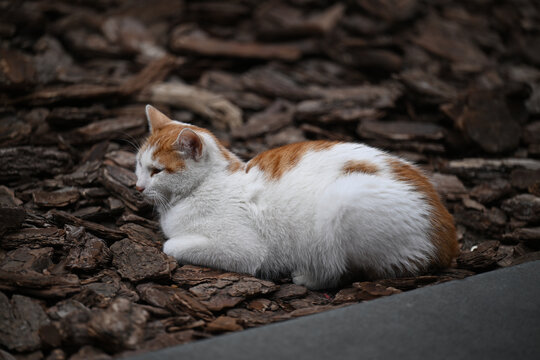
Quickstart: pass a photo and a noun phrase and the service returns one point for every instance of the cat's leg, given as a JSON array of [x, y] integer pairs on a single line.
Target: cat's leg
[[193, 249], [199, 250]]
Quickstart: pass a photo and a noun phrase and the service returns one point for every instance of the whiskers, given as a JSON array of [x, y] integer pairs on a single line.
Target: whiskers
[[160, 201], [129, 139]]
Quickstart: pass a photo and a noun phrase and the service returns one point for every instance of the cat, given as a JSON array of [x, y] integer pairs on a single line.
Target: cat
[[317, 211]]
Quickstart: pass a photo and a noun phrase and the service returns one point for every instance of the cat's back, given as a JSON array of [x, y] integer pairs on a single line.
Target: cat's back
[[317, 158], [321, 176]]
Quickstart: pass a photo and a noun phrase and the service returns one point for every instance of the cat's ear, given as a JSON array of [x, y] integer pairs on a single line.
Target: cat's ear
[[189, 144], [156, 119]]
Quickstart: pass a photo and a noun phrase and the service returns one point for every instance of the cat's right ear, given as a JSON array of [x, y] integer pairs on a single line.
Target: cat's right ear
[[156, 119]]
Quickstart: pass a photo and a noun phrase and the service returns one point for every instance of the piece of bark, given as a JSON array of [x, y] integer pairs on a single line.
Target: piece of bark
[[142, 235], [39, 285], [531, 133], [290, 291], [55, 199], [524, 179], [132, 36], [13, 131], [490, 221], [329, 111], [277, 20], [99, 230], [11, 218], [153, 72], [185, 39], [401, 130], [221, 112], [116, 128], [275, 117], [488, 169], [525, 207], [223, 324], [250, 286], [428, 88], [271, 82], [68, 117], [26, 259], [57, 354], [31, 162], [21, 319], [450, 41], [261, 305], [127, 218], [449, 186], [8, 198], [214, 295], [88, 253], [363, 291], [531, 236], [17, 70], [409, 283], [492, 191], [177, 300], [122, 158], [485, 118], [121, 182], [193, 275], [91, 353], [138, 263], [288, 135], [220, 293], [484, 257], [390, 11], [248, 318], [120, 326], [359, 53], [325, 134], [369, 96], [34, 238], [84, 175]]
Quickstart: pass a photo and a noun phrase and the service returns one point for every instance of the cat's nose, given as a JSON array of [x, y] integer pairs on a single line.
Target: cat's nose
[[139, 188]]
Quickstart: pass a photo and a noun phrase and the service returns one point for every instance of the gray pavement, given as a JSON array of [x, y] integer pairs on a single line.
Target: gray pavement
[[489, 316]]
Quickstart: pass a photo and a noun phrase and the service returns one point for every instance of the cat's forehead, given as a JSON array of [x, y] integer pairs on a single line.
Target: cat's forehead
[[158, 148]]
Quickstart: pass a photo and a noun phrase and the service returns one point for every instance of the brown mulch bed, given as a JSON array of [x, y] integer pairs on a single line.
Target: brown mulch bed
[[451, 85]]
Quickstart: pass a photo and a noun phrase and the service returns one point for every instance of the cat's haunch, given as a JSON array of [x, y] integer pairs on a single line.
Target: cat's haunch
[[318, 210]]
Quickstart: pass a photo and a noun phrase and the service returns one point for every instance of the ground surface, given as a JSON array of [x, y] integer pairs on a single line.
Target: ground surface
[[453, 86]]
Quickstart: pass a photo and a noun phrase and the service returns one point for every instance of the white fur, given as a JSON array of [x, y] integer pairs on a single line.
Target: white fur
[[315, 223]]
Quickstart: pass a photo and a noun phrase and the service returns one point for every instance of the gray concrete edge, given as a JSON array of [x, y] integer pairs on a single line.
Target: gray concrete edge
[[495, 315]]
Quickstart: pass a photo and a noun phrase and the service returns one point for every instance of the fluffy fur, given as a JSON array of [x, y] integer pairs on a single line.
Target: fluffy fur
[[317, 211]]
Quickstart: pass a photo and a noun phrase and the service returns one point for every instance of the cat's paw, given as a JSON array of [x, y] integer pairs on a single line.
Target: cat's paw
[[304, 280], [182, 248]]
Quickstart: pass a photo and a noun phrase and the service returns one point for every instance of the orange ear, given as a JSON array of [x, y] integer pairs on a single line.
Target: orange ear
[[189, 144], [156, 119]]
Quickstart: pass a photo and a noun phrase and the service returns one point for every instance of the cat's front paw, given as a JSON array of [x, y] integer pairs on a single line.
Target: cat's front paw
[[172, 248], [186, 248], [305, 280]]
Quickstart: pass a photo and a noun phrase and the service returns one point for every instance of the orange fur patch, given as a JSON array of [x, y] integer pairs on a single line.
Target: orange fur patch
[[277, 162], [361, 166], [164, 137], [443, 234]]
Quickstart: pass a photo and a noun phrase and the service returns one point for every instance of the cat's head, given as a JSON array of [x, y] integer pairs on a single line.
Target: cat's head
[[176, 158]]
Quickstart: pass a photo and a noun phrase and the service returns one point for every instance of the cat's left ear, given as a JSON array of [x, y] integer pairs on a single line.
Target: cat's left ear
[[189, 144], [156, 119]]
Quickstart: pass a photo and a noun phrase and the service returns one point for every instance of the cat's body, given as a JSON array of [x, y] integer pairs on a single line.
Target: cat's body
[[315, 210]]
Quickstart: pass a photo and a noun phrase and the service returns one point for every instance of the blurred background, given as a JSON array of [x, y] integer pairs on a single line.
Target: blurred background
[[451, 85]]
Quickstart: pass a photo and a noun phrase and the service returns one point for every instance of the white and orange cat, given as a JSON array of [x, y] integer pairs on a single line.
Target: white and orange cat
[[318, 211]]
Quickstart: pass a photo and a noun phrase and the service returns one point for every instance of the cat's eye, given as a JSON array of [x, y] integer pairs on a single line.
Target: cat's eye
[[154, 171]]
